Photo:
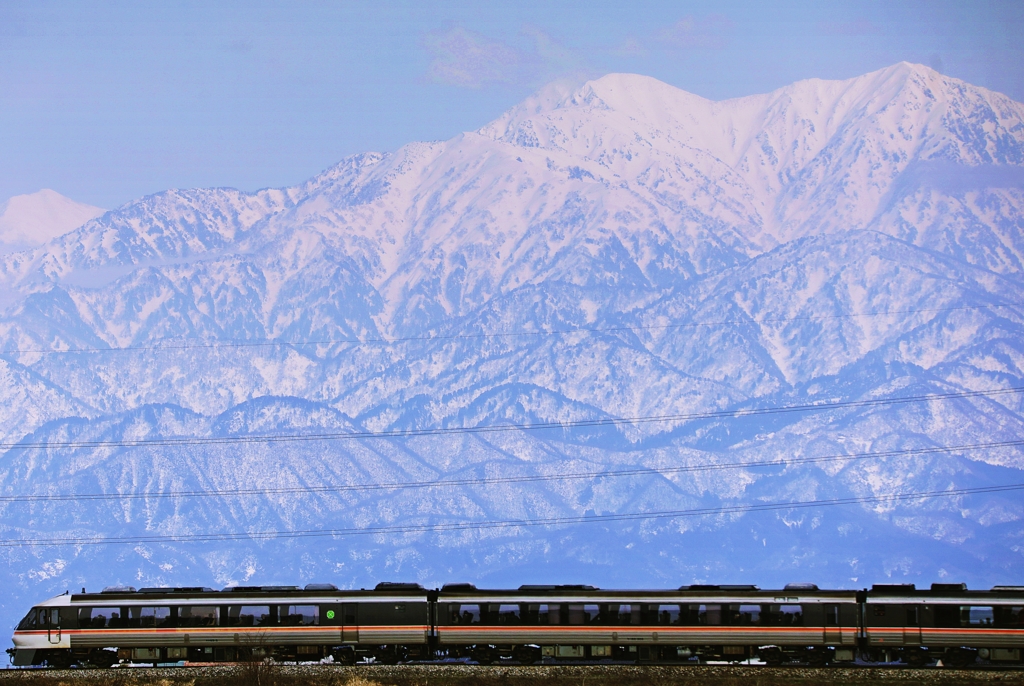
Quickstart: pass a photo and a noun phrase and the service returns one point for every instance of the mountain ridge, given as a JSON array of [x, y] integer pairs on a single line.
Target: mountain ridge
[[589, 255]]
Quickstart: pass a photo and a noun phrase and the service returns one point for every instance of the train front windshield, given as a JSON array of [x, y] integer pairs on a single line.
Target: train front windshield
[[31, 620]]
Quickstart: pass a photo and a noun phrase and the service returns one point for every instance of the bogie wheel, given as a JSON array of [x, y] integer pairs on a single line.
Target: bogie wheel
[[915, 657], [772, 657], [958, 658], [59, 659], [484, 655], [104, 659], [526, 655]]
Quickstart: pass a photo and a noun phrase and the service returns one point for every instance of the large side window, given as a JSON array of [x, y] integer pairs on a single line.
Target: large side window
[[542, 613], [584, 614], [976, 615], [625, 614], [665, 614], [247, 615], [508, 614], [102, 618], [1009, 616], [785, 615], [744, 615], [710, 614], [197, 615], [149, 617], [465, 613], [301, 615]]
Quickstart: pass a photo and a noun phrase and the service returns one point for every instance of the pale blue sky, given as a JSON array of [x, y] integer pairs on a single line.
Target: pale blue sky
[[108, 101]]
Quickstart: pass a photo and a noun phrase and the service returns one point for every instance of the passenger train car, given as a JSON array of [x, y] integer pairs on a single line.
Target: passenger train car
[[398, 622]]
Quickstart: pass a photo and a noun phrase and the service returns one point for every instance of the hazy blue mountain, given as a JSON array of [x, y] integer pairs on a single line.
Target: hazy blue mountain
[[623, 250]]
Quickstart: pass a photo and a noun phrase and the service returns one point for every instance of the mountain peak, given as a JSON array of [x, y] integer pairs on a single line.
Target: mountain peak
[[32, 219]]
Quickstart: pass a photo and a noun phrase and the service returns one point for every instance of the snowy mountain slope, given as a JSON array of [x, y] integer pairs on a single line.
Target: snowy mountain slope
[[621, 250]]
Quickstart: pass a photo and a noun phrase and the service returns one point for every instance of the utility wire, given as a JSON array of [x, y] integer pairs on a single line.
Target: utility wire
[[487, 481], [509, 334], [505, 523], [405, 433]]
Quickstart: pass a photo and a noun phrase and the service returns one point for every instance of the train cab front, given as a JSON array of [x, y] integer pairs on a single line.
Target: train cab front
[[38, 638]]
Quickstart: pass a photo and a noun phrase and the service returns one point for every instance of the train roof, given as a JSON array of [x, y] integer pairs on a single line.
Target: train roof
[[942, 593]]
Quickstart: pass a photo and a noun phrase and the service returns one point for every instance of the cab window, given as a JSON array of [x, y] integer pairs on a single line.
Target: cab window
[[30, 622]]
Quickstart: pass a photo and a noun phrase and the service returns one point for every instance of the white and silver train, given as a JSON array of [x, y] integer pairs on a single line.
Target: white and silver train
[[396, 622]]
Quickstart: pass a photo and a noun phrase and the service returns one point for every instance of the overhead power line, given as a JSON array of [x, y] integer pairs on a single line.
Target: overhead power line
[[406, 433], [490, 481], [503, 334], [503, 523]]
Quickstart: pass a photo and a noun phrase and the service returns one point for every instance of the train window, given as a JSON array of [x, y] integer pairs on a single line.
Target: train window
[[544, 613], [248, 615], [710, 615], [584, 614], [625, 614], [665, 614], [975, 615], [831, 615], [197, 615], [878, 610], [300, 615], [508, 614], [31, 620], [149, 617], [1009, 615], [746, 614], [465, 614], [101, 618], [785, 615]]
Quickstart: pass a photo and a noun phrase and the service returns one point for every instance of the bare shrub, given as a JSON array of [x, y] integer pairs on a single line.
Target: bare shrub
[[360, 681]]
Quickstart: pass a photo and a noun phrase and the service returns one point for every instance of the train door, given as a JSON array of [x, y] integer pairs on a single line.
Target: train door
[[350, 630], [912, 627], [833, 626], [342, 617], [52, 615]]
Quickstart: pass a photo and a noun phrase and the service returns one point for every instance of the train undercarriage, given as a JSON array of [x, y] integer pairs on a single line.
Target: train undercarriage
[[771, 655]]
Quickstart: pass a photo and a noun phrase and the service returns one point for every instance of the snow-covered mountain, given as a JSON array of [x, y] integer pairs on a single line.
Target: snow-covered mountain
[[28, 221], [624, 250]]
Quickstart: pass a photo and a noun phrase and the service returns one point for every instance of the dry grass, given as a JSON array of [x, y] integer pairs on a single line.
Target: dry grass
[[258, 673]]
